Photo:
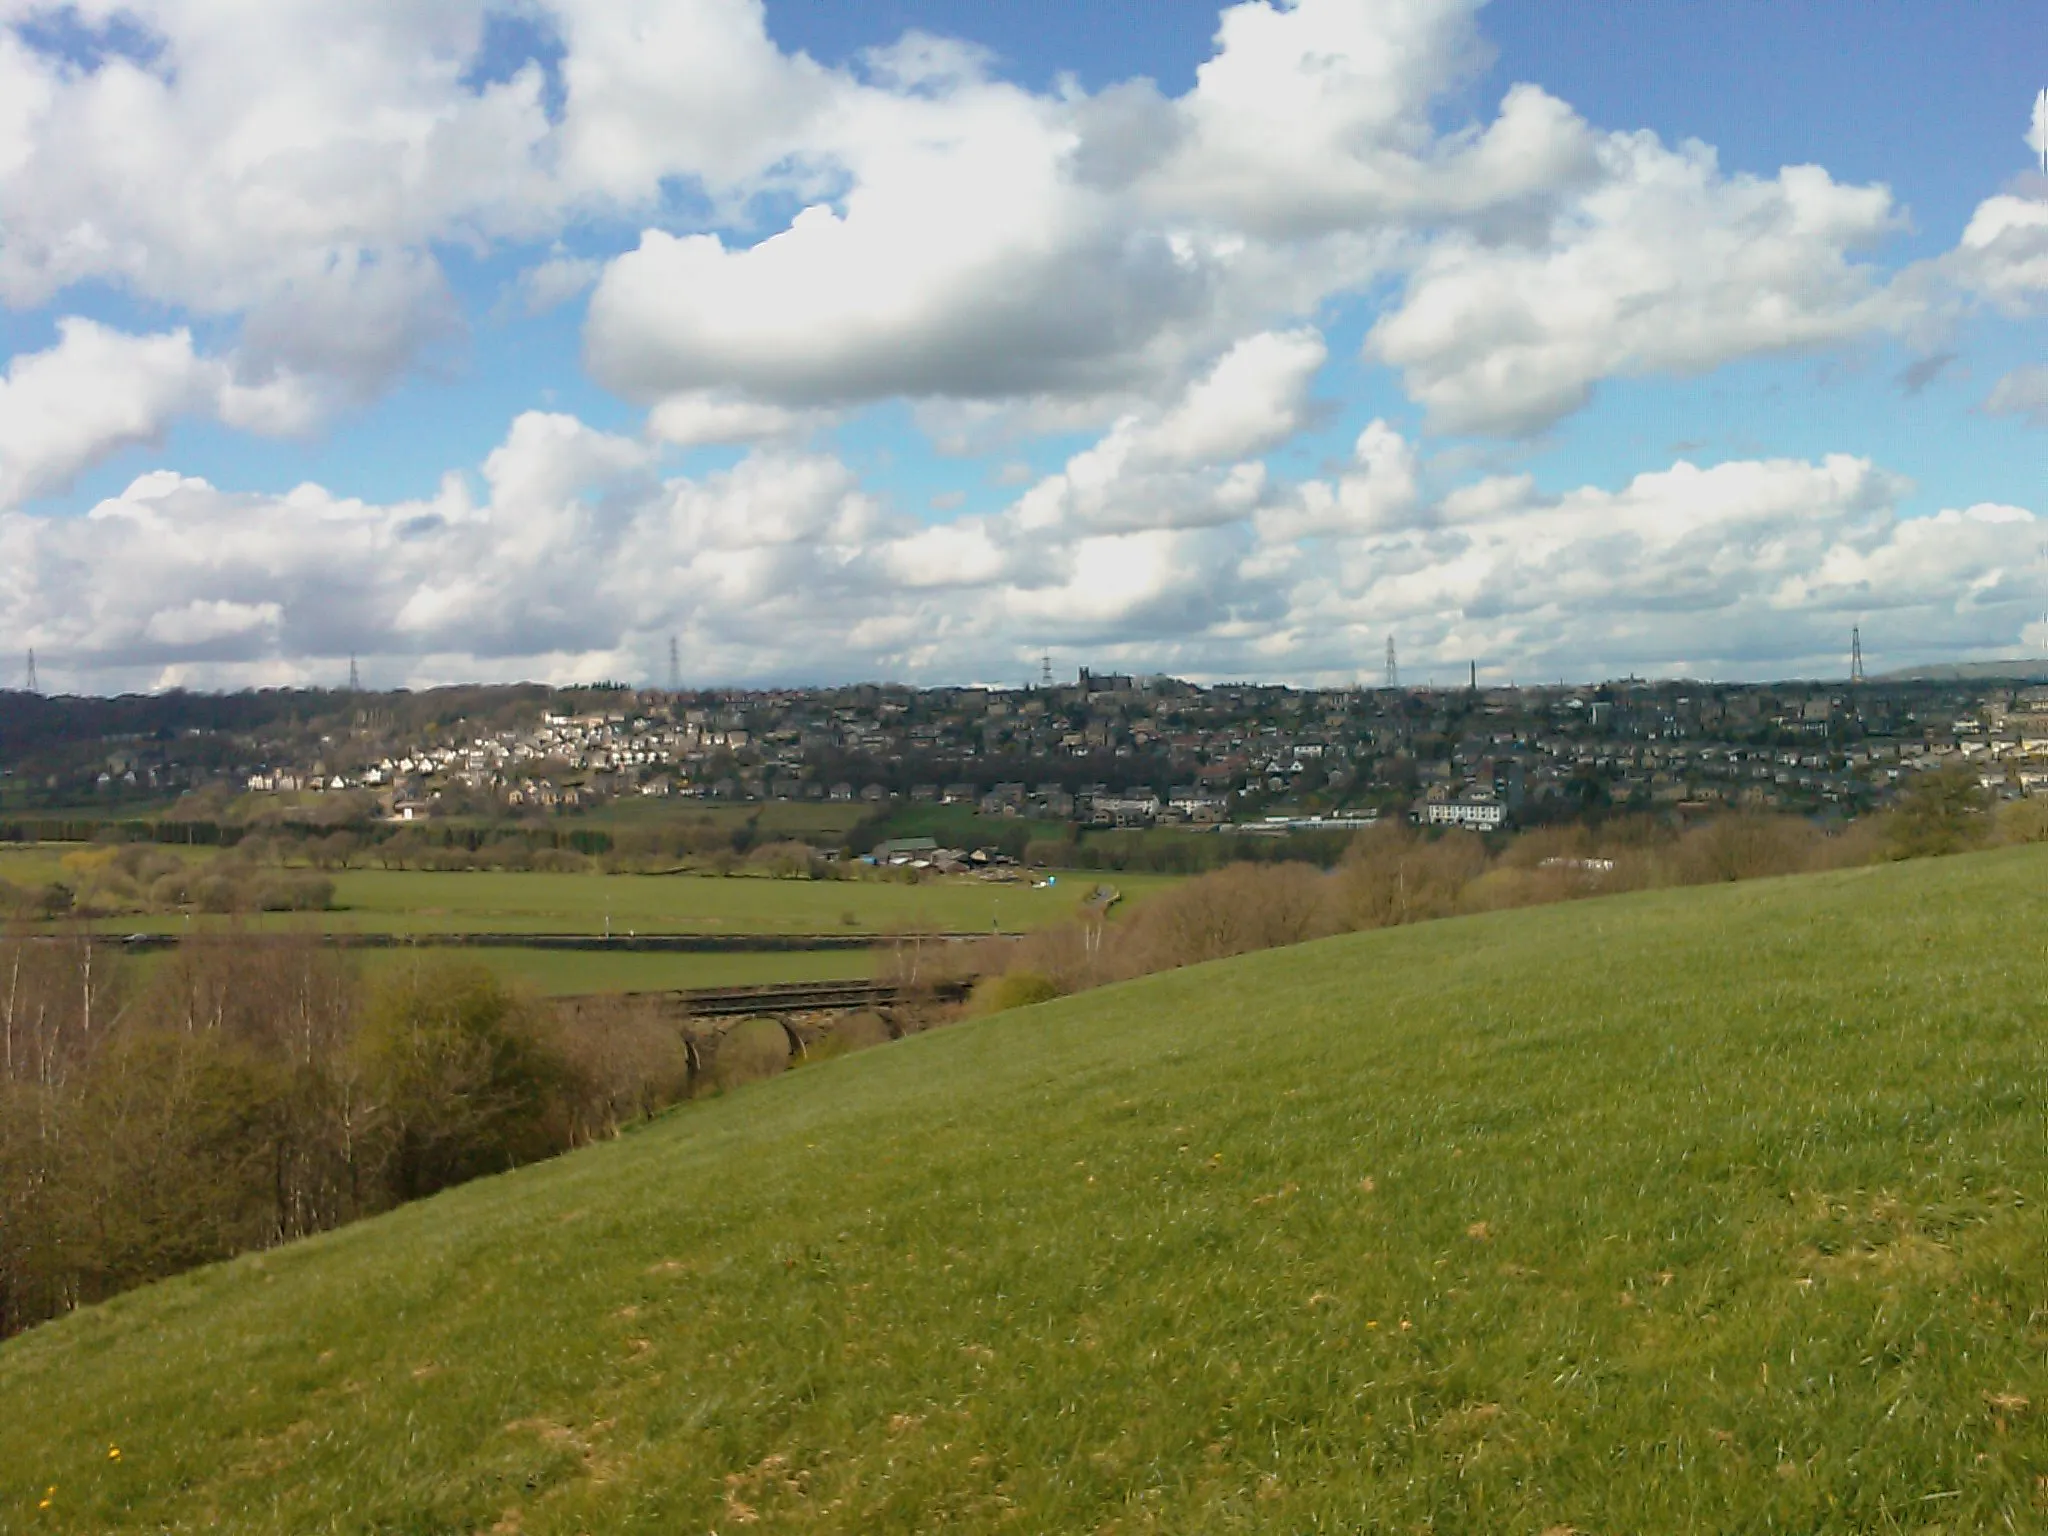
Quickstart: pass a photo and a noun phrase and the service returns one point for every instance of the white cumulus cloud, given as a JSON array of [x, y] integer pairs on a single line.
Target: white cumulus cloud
[[99, 390], [579, 559], [2003, 254], [1665, 265], [2023, 392]]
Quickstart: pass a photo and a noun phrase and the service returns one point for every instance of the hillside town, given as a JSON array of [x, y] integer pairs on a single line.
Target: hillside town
[[1124, 751]]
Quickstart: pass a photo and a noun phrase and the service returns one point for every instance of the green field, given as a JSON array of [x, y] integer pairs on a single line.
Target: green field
[[803, 819], [1722, 1209], [556, 972], [419, 901]]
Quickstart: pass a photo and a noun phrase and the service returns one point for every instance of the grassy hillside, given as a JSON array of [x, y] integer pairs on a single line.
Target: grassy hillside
[[1715, 1209]]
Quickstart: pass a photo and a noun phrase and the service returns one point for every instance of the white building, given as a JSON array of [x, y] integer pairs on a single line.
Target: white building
[[1477, 813]]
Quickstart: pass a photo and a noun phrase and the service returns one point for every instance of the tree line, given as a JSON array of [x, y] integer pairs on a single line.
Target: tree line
[[238, 1094], [1394, 874]]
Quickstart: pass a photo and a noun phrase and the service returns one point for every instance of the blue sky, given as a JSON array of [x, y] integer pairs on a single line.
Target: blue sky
[[495, 340]]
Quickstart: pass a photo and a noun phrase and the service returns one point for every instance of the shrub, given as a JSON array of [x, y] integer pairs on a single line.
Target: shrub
[[1746, 847], [1230, 911], [560, 861], [1390, 876], [465, 1076], [1945, 811], [2023, 821], [750, 1050], [786, 861], [1012, 989], [1054, 852], [217, 893], [293, 893], [626, 1061]]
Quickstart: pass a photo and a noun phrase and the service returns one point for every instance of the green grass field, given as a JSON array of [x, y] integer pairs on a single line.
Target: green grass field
[[1710, 1210], [420, 901], [556, 972], [770, 819], [412, 901]]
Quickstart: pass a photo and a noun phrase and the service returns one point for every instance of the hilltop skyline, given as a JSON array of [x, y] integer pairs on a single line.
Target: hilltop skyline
[[494, 341]]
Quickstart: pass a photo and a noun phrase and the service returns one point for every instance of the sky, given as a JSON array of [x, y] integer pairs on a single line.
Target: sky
[[923, 340]]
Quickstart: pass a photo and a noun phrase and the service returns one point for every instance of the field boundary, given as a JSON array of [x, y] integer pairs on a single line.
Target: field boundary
[[639, 943]]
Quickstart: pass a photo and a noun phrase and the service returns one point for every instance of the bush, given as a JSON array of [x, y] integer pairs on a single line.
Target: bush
[[1942, 812], [2023, 821], [1050, 852], [1012, 989], [217, 893], [786, 861], [466, 1077], [626, 1061], [750, 1050], [293, 893], [1390, 876], [1230, 911], [1746, 847]]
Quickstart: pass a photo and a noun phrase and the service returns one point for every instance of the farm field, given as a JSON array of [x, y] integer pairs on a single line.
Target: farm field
[[557, 972], [1709, 1209], [421, 901], [770, 819]]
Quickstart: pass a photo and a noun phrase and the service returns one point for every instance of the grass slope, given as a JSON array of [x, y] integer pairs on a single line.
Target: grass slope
[[1705, 1210]]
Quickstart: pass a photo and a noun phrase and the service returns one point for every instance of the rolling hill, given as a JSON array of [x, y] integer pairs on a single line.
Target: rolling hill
[[1716, 1209]]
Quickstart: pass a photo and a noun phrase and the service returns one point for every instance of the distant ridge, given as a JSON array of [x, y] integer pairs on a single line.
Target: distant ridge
[[2018, 670]]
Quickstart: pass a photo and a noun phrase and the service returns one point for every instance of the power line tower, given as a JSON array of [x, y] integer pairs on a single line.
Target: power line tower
[[1393, 667], [675, 666], [1855, 655], [1045, 672], [29, 681]]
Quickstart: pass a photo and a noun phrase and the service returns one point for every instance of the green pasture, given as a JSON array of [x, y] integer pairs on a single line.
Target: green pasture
[[1722, 1209], [811, 820], [556, 972], [421, 901]]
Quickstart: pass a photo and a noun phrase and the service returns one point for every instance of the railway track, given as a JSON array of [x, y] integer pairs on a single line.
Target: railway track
[[802, 997]]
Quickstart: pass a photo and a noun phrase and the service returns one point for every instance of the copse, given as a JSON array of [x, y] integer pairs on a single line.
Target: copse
[[1945, 811], [1394, 874], [465, 1079], [251, 1091]]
